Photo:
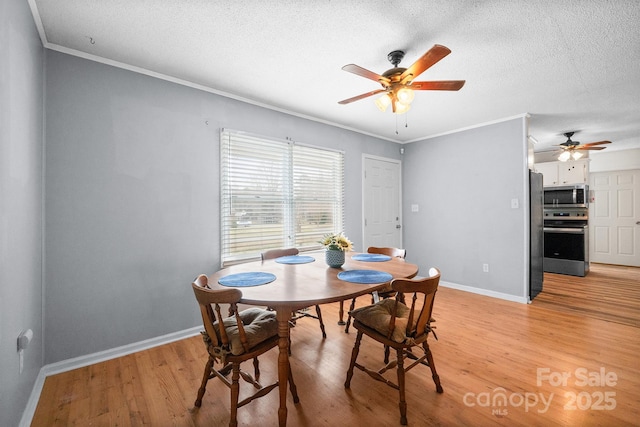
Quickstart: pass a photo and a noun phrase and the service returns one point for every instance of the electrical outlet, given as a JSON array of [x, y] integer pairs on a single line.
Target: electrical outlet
[[485, 268], [415, 208]]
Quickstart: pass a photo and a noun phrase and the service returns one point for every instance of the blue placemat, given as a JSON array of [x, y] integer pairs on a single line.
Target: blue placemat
[[371, 257], [247, 279], [295, 259], [364, 276]]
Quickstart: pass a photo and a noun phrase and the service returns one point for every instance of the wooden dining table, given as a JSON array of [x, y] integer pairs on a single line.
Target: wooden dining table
[[303, 285]]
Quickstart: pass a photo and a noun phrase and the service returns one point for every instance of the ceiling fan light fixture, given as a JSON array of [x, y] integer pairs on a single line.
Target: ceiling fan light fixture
[[405, 95], [564, 156], [383, 102], [401, 107], [576, 155]]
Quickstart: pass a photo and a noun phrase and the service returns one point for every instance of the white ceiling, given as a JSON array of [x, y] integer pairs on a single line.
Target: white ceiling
[[570, 64]]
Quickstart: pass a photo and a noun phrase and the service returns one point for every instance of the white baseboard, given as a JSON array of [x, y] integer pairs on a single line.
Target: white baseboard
[[479, 291], [485, 292], [32, 403], [90, 359]]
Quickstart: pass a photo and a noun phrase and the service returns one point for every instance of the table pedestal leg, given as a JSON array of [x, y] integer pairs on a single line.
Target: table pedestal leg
[[283, 315]]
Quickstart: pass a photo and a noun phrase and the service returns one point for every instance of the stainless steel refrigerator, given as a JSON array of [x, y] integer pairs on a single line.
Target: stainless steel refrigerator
[[536, 234]]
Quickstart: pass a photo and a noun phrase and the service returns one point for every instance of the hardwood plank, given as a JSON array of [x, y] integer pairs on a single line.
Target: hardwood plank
[[133, 391], [607, 292], [486, 346]]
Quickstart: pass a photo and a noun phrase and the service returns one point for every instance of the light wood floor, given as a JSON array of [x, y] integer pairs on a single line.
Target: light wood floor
[[486, 347]]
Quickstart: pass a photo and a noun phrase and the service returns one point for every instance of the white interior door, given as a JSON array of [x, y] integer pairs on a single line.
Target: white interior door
[[614, 217], [382, 204]]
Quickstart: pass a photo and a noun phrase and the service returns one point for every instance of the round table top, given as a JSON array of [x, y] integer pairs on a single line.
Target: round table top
[[302, 285]]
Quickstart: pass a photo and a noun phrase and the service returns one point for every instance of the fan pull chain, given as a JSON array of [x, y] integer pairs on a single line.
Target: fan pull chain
[[406, 122]]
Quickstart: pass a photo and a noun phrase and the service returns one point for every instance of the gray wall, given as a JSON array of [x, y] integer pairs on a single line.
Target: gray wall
[[132, 197], [463, 184], [21, 118]]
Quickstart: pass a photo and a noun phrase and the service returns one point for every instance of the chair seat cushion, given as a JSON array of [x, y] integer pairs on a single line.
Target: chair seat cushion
[[378, 316], [259, 325]]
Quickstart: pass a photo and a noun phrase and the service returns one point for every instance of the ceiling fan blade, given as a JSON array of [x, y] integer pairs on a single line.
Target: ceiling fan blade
[[364, 95], [595, 143], [363, 72], [584, 147], [438, 85], [433, 55]]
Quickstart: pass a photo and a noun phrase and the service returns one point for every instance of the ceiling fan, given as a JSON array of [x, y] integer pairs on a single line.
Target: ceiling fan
[[397, 82], [572, 148]]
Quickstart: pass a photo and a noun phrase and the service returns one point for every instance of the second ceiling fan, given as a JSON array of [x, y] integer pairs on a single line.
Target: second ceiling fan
[[572, 148], [398, 83]]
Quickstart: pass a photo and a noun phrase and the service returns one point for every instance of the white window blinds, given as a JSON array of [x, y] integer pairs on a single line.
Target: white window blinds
[[276, 194]]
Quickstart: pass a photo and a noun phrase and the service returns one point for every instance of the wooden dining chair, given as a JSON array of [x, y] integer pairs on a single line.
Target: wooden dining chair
[[392, 252], [244, 336], [402, 328], [298, 314]]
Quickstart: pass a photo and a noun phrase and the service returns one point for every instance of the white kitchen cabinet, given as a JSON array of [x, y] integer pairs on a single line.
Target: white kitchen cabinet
[[549, 173], [564, 173], [573, 172]]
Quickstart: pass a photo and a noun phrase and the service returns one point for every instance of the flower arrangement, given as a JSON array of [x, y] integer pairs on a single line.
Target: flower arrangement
[[336, 242]]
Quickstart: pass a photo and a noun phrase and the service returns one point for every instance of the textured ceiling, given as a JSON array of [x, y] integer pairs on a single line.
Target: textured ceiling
[[570, 64]]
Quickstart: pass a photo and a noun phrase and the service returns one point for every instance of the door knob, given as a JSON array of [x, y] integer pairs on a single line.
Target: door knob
[[399, 226]]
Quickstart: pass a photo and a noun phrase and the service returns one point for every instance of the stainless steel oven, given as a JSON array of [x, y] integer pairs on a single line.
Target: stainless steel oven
[[566, 241]]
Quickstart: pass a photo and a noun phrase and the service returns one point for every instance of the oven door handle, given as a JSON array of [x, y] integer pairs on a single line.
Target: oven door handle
[[564, 230]]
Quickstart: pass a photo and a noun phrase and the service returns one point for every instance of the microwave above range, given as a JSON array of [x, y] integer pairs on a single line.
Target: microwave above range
[[567, 196]]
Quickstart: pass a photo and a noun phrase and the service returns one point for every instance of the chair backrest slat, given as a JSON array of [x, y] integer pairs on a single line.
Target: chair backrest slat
[[392, 320], [409, 329]]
